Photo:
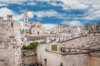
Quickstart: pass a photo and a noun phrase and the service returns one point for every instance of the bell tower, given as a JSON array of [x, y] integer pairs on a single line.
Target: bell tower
[[25, 17]]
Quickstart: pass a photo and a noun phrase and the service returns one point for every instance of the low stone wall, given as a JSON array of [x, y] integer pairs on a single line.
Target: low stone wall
[[28, 57]]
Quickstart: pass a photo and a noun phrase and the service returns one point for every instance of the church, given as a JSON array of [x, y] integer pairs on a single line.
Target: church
[[34, 28]]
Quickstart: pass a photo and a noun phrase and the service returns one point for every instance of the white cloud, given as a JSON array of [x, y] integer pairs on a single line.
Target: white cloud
[[40, 14], [18, 17], [49, 26], [67, 4], [30, 14], [93, 12], [97, 2], [72, 23], [3, 4], [47, 13], [31, 3], [73, 4], [75, 23], [95, 15], [5, 11], [77, 3], [12, 1], [55, 4]]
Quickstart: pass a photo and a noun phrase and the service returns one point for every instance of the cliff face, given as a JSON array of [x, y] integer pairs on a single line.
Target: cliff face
[[10, 44]]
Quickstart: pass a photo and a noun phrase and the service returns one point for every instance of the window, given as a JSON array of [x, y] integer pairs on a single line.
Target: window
[[62, 50], [38, 32], [54, 47], [45, 60], [12, 25], [61, 64]]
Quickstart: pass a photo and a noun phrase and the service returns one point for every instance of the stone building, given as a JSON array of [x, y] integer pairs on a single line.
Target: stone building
[[59, 29], [37, 29], [10, 43], [94, 29], [79, 50], [29, 58], [25, 24]]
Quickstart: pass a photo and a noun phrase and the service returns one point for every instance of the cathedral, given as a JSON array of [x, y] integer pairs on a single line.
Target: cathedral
[[37, 29], [34, 28]]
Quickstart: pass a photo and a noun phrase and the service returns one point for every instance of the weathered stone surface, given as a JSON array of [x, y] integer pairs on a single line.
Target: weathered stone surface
[[10, 44], [29, 57], [86, 42]]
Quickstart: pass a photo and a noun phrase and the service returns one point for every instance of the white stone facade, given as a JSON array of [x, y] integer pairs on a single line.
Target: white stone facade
[[36, 28], [10, 43], [55, 58]]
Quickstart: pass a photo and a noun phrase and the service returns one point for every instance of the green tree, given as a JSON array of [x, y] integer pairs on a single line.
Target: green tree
[[32, 45], [24, 47]]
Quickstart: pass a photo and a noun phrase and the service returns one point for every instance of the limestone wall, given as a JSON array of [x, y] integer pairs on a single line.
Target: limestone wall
[[10, 45], [56, 59], [28, 57]]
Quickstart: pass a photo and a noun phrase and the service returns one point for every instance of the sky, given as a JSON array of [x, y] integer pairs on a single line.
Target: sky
[[53, 12]]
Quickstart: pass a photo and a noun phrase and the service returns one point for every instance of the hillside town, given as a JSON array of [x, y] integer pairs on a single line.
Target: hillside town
[[34, 45]]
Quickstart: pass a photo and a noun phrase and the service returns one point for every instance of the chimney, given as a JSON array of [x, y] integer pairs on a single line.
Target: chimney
[[1, 18], [9, 17]]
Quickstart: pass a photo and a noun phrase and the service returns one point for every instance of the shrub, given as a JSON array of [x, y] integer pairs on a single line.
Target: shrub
[[32, 45], [24, 47]]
